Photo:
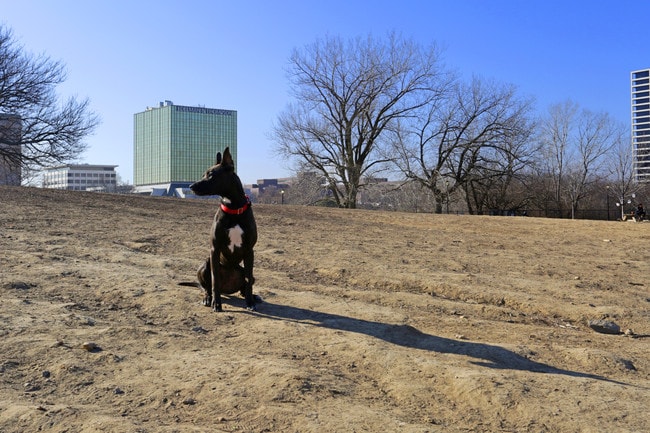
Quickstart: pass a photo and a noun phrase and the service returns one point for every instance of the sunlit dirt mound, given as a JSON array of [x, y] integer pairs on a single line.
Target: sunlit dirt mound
[[371, 321]]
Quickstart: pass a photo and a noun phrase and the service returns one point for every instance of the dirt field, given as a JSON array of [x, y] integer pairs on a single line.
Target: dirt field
[[371, 321]]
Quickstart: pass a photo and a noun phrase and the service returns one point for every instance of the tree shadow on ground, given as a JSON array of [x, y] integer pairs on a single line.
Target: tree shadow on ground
[[485, 355]]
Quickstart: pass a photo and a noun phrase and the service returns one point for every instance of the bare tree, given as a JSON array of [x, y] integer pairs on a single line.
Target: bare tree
[[467, 136], [622, 185], [347, 94], [555, 137], [500, 184], [307, 188], [49, 131], [576, 142], [598, 133]]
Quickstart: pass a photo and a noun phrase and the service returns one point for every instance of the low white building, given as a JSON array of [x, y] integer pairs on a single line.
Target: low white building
[[81, 177]]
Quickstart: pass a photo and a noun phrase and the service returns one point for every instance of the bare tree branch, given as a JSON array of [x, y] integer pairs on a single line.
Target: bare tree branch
[[49, 131]]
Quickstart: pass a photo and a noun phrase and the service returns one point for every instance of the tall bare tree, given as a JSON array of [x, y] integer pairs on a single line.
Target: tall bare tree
[[500, 183], [471, 134], [556, 146], [48, 131], [347, 94], [621, 182], [576, 142]]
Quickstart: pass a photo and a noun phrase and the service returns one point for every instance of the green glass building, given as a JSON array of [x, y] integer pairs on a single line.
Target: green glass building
[[173, 145]]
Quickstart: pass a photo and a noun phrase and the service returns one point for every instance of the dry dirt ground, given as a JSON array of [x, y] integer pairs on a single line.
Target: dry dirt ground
[[371, 321]]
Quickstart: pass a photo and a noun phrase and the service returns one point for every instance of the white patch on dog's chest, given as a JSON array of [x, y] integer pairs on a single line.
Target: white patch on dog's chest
[[235, 235]]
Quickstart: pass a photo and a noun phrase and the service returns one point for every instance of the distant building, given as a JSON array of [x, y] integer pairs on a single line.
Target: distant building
[[81, 177], [10, 132], [640, 84], [263, 184], [175, 144], [268, 190]]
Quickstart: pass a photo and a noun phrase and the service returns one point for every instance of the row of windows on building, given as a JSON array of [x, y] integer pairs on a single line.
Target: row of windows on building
[[79, 182], [104, 175], [83, 177]]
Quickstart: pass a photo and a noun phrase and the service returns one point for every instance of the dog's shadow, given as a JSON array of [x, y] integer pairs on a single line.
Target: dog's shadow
[[485, 355]]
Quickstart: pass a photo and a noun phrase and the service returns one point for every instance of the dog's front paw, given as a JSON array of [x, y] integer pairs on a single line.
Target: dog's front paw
[[216, 306]]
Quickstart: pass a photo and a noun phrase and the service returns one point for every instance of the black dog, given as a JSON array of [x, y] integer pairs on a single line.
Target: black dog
[[234, 233]]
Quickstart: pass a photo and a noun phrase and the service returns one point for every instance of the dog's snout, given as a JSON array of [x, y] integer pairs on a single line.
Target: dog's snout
[[201, 187]]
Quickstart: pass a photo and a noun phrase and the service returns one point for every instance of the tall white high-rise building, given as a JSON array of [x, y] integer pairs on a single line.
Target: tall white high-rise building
[[640, 86]]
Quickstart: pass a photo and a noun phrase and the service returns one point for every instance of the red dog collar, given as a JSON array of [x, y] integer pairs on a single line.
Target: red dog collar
[[239, 211]]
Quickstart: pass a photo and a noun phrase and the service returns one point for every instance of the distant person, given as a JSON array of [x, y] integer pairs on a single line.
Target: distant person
[[639, 214]]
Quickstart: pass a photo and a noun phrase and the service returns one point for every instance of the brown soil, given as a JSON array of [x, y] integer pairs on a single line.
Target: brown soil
[[371, 321]]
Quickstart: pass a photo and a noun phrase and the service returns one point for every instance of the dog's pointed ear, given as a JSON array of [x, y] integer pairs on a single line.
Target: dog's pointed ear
[[227, 157], [218, 161]]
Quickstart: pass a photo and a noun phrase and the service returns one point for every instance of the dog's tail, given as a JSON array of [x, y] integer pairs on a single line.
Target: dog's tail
[[190, 284]]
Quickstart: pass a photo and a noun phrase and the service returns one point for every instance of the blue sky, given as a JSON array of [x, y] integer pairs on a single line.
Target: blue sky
[[127, 55]]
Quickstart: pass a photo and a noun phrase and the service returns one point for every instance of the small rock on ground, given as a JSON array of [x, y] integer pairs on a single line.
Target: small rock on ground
[[604, 327]]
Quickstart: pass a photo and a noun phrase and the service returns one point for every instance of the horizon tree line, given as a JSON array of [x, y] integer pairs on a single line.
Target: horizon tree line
[[372, 107], [367, 108]]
